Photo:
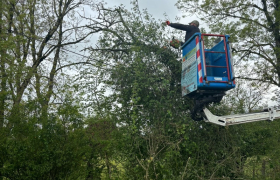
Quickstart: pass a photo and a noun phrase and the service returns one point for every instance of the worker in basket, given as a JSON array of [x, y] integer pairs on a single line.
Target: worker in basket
[[190, 29]]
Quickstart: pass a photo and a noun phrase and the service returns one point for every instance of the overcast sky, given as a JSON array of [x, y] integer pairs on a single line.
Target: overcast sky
[[157, 8]]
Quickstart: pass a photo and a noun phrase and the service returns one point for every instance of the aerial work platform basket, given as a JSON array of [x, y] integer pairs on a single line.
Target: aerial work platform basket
[[206, 65], [207, 73]]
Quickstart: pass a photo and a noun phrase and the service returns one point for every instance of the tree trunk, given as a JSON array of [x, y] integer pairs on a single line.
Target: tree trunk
[[263, 168], [2, 69]]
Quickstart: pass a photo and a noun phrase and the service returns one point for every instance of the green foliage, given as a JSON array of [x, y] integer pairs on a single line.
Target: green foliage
[[101, 157], [53, 150], [159, 140], [124, 117]]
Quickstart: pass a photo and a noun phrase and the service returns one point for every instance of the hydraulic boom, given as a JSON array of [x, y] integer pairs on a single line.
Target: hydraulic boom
[[270, 115]]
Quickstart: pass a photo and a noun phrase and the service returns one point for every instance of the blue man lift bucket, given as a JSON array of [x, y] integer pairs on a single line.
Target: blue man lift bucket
[[206, 70]]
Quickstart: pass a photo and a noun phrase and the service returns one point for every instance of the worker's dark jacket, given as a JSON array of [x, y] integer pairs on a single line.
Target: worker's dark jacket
[[190, 30]]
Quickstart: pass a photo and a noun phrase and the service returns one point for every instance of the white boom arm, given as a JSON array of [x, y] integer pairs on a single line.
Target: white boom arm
[[241, 118]]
